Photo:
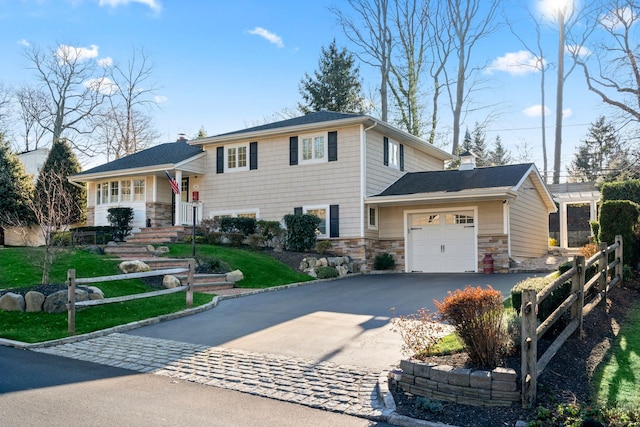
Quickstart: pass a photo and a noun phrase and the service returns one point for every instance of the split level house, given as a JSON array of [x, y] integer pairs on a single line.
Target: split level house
[[376, 189]]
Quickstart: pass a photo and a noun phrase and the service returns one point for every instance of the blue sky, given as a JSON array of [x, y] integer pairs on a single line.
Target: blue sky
[[226, 65]]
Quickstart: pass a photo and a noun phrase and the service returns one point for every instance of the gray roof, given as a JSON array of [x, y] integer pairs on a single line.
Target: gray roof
[[317, 117], [168, 153], [458, 180]]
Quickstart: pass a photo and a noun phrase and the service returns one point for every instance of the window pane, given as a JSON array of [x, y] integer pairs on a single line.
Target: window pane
[[125, 190], [307, 149], [246, 215], [372, 216], [318, 147], [242, 157], [138, 190], [114, 192], [105, 192], [231, 158], [322, 214]]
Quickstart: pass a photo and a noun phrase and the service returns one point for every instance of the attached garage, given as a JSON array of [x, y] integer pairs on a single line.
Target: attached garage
[[447, 221]]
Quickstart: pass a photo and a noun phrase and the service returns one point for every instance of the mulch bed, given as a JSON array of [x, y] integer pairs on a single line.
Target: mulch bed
[[565, 380]]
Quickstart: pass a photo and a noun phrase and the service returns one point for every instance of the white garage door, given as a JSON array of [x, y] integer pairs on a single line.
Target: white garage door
[[442, 242]]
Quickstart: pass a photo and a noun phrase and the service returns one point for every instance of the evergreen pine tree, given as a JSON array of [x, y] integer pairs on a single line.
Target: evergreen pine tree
[[60, 164], [499, 155], [16, 187], [479, 146], [335, 86]]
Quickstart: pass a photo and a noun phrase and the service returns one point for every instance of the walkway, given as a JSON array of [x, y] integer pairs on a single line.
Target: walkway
[[347, 389]]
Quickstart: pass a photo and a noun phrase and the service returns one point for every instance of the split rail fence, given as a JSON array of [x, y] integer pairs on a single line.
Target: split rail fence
[[609, 274], [72, 281]]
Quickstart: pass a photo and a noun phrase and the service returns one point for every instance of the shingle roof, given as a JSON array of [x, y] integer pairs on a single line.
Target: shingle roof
[[169, 153], [317, 117], [457, 180]]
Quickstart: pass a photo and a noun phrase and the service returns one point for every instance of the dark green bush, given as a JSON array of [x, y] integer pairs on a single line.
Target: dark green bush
[[244, 225], [621, 190], [235, 239], [326, 272], [323, 246], [214, 237], [621, 217], [301, 231], [384, 261], [256, 241], [211, 265], [120, 220], [550, 303]]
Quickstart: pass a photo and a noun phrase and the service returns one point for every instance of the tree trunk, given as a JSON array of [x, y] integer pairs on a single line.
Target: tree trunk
[[559, 100]]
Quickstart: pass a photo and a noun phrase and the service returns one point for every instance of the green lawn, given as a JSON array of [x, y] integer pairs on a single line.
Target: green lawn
[[17, 271]]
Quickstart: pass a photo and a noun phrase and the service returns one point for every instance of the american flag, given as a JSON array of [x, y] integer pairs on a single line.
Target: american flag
[[174, 184]]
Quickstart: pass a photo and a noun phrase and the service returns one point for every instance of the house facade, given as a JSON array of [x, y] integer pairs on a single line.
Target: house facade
[[341, 168]]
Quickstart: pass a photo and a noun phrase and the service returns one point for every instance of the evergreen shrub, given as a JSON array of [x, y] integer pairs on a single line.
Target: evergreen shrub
[[301, 231]]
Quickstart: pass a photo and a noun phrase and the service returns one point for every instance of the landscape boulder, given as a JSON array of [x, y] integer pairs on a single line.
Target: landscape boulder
[[234, 276], [34, 301], [94, 250], [57, 301], [133, 266], [162, 250], [12, 302], [170, 282], [95, 293]]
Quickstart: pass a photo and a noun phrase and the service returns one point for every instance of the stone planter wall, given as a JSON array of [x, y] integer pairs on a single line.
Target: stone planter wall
[[498, 246], [498, 387]]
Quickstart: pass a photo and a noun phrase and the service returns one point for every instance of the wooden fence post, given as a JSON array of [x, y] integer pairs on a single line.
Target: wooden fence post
[[192, 266], [603, 267], [529, 351], [619, 256], [71, 301], [577, 288]]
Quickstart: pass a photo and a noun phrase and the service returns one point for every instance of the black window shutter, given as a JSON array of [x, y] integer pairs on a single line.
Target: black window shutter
[[401, 157], [253, 156], [333, 146], [386, 151], [220, 160], [334, 221], [297, 211], [293, 150]]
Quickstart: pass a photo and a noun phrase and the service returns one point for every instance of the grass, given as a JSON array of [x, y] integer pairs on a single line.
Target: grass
[[617, 380], [260, 270], [16, 271]]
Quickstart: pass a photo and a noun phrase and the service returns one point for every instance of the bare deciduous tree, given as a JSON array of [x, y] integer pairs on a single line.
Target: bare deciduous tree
[[372, 34], [125, 124], [74, 87], [33, 114]]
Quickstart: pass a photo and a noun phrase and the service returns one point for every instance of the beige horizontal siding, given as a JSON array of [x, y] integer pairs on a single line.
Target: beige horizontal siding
[[529, 223], [275, 188]]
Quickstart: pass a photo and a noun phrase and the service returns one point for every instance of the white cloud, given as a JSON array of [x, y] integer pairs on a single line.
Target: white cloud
[[103, 85], [576, 50], [154, 5], [567, 113], [536, 111], [515, 63], [105, 62], [70, 53], [160, 99], [24, 42], [267, 35]]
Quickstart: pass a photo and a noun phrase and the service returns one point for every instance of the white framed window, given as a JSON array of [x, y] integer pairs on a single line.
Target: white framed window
[[394, 155], [314, 149], [236, 157], [321, 212], [125, 190], [373, 218], [138, 190]]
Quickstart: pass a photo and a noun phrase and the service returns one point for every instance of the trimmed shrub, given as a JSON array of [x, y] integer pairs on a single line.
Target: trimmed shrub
[[120, 220], [621, 217], [384, 261], [235, 239], [244, 225], [326, 272], [550, 303], [208, 265], [301, 231], [214, 238], [189, 238], [595, 231], [621, 190], [324, 246], [477, 316], [256, 241]]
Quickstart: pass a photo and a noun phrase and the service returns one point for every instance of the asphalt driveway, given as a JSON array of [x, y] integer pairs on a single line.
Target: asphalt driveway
[[345, 321]]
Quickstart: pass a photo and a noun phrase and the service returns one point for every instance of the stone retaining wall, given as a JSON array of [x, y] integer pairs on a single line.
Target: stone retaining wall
[[497, 387], [498, 246]]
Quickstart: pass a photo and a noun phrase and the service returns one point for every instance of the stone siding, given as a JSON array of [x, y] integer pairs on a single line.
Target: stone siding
[[160, 214], [498, 387], [498, 246], [364, 251]]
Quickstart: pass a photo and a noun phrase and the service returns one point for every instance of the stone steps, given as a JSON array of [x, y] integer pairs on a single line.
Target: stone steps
[[155, 235]]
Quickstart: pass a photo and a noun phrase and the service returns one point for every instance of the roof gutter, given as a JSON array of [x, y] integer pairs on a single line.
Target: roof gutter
[[507, 194]]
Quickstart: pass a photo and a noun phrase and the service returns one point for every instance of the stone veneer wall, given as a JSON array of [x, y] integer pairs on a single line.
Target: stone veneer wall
[[364, 251], [160, 214], [497, 387], [498, 246]]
